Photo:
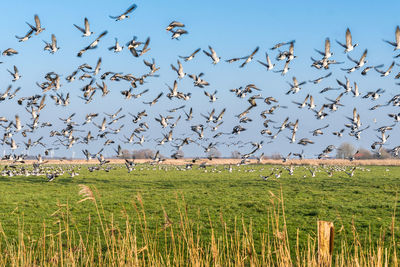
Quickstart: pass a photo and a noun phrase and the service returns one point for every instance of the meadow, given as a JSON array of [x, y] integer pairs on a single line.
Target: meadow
[[232, 204]]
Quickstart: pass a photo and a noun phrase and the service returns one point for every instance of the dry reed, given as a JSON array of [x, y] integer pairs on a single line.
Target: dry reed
[[180, 242]]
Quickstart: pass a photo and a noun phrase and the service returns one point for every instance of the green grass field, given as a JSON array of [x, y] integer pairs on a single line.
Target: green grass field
[[368, 199]]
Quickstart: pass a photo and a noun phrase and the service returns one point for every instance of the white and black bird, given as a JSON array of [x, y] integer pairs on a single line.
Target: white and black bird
[[349, 46], [9, 52], [269, 64], [396, 43], [86, 31], [15, 74], [52, 47], [125, 14], [318, 80], [213, 55], [191, 56], [327, 53], [116, 47], [179, 70], [92, 45], [250, 57], [387, 72], [178, 33], [26, 37], [173, 25], [38, 27]]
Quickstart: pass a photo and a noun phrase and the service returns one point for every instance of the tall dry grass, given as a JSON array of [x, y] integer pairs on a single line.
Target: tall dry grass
[[179, 243]]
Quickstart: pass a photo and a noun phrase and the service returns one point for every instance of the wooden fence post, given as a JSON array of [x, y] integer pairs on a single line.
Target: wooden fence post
[[325, 243]]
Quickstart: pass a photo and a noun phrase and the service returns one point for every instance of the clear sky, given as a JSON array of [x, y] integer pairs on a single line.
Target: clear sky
[[233, 29]]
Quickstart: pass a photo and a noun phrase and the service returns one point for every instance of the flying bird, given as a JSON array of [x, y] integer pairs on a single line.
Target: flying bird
[[15, 74], [269, 64], [173, 25], [396, 43], [25, 38], [349, 46], [250, 57], [86, 31], [52, 47], [125, 14], [37, 28], [213, 55], [191, 56]]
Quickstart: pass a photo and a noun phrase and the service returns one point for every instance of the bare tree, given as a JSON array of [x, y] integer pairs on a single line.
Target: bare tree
[[382, 153], [235, 154], [345, 151], [143, 154], [214, 153], [126, 154], [276, 155]]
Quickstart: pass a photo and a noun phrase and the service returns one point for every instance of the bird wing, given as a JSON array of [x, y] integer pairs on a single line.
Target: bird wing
[[268, 59], [53, 40], [79, 28], [340, 83], [212, 51], [262, 63], [207, 53], [87, 27], [174, 68], [32, 27], [295, 82], [130, 9], [195, 52], [391, 66], [101, 35], [389, 42], [148, 64], [98, 64], [305, 100], [180, 66], [340, 44], [159, 95], [291, 48], [255, 51], [146, 44], [348, 38], [327, 46], [174, 24], [37, 22], [364, 55], [339, 97], [134, 52]]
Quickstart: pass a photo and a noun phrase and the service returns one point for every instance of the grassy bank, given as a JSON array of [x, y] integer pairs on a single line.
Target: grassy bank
[[145, 209]]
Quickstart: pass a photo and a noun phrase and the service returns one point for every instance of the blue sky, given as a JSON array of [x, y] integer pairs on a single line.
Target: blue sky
[[233, 29]]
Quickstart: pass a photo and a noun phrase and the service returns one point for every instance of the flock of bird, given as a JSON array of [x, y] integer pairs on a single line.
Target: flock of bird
[[108, 128], [265, 173]]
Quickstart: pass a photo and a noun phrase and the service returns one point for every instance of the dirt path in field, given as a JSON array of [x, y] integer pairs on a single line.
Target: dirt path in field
[[224, 161]]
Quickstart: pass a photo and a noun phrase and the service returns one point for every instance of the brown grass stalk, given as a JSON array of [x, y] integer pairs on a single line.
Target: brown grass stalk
[[179, 242]]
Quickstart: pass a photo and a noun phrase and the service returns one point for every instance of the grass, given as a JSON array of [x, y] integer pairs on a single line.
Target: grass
[[211, 204]]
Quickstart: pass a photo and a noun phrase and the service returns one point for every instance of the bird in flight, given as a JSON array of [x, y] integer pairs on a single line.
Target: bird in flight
[[86, 31], [37, 28], [125, 14], [349, 46]]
